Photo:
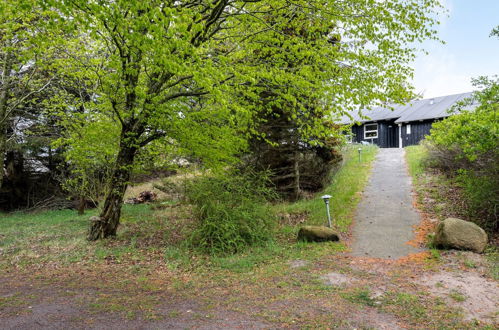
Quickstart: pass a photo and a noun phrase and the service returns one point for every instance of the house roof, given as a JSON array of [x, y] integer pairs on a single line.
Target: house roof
[[431, 108]]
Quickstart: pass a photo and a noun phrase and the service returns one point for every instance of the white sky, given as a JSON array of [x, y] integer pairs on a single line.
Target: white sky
[[468, 52]]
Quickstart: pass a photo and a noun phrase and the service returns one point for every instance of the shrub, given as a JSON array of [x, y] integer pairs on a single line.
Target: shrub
[[232, 211], [466, 147]]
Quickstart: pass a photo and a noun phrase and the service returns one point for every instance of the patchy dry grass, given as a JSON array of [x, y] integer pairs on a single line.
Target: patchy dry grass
[[438, 198], [135, 189], [148, 276]]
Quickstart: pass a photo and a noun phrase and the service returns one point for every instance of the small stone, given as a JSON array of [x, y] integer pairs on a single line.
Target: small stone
[[317, 234]]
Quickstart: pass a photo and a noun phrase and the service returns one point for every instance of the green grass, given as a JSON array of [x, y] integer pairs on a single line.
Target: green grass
[[415, 156], [43, 237], [345, 190], [409, 305], [273, 253], [492, 254], [457, 296], [359, 296], [56, 236]]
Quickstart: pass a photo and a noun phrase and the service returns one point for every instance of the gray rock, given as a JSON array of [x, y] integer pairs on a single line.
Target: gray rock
[[317, 234], [459, 234]]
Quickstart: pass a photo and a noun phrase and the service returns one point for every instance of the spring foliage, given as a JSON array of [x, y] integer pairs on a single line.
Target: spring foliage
[[192, 73], [466, 145]]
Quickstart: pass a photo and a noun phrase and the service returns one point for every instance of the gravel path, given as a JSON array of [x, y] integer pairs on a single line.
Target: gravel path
[[385, 217]]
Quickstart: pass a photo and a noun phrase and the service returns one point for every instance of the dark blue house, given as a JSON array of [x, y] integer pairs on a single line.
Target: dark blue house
[[403, 126]]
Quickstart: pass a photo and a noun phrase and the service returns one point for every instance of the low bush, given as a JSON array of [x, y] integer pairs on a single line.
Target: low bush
[[466, 147], [232, 211]]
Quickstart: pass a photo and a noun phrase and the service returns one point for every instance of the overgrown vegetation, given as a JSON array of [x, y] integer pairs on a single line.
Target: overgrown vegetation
[[122, 83], [465, 146], [344, 188], [438, 194], [298, 165], [232, 211], [161, 230]]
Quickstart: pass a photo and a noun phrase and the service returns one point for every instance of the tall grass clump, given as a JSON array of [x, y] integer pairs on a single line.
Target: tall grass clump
[[232, 211], [466, 147]]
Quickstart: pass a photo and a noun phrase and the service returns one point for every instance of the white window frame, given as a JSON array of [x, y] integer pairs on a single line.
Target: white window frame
[[408, 129], [370, 131]]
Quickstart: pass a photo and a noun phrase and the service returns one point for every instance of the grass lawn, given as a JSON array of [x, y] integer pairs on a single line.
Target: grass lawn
[[148, 276]]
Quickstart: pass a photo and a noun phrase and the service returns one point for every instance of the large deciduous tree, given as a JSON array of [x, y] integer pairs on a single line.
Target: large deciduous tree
[[151, 61], [171, 69], [322, 60]]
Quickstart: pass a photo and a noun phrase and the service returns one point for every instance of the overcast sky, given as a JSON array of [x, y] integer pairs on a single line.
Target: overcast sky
[[468, 52]]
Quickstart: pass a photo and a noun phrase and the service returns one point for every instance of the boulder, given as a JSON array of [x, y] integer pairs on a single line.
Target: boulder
[[459, 234], [317, 234]]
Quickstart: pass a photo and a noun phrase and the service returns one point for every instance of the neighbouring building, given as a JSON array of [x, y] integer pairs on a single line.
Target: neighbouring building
[[403, 126]]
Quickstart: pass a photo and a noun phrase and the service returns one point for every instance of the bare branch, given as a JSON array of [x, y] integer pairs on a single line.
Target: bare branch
[[14, 105]]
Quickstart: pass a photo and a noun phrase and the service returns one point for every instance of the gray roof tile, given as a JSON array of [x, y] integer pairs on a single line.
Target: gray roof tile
[[431, 108]]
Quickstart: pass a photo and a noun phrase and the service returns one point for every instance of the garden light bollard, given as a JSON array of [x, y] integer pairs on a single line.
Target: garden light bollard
[[326, 200], [360, 150]]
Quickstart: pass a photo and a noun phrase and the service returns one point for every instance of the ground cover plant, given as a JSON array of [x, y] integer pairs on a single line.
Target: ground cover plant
[[440, 197], [232, 211], [465, 147], [46, 263]]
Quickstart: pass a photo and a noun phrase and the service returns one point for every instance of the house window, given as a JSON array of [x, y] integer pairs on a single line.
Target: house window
[[408, 129], [371, 131]]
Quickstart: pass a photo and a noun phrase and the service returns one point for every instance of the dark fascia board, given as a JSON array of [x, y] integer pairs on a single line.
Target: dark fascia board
[[420, 119]]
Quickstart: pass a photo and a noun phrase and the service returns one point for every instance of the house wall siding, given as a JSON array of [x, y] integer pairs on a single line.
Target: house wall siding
[[419, 130], [388, 134]]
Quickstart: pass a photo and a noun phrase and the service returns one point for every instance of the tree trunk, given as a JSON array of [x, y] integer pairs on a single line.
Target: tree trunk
[[81, 205], [296, 172], [107, 223], [3, 152], [4, 95]]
